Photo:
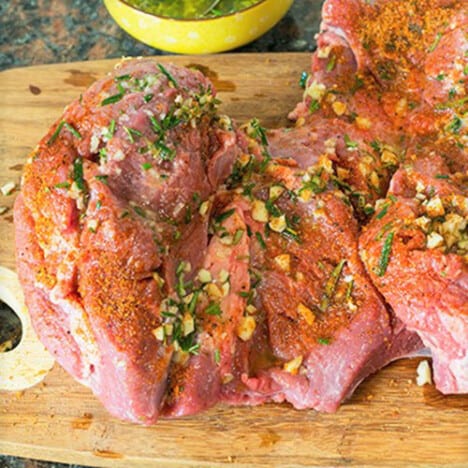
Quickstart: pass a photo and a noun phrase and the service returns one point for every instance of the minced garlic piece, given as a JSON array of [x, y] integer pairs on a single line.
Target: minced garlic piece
[[214, 291], [259, 211], [204, 276], [363, 123], [434, 207], [306, 313], [389, 157], [8, 188], [339, 108], [246, 328], [204, 208], [424, 374], [284, 262], [188, 324], [423, 222], [316, 90], [278, 223], [293, 366], [276, 191], [159, 333], [434, 240]]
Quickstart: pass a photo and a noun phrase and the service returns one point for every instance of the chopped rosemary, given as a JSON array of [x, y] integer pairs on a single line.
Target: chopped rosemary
[[112, 99], [385, 255], [260, 240], [213, 309], [330, 286], [78, 173], [73, 130], [168, 75], [56, 133]]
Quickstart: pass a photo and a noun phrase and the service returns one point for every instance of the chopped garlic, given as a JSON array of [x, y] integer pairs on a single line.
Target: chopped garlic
[[339, 108], [363, 123], [204, 208], [246, 328], [259, 211], [223, 276], [293, 366], [283, 261], [278, 223], [423, 222], [159, 280], [188, 324], [424, 374], [159, 333], [316, 90], [306, 313], [435, 207], [251, 309], [214, 291], [8, 188], [276, 191], [434, 240], [389, 157], [323, 52], [204, 276]]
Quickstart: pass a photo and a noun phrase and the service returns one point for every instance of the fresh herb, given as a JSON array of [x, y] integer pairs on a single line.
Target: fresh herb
[[259, 132], [314, 106], [164, 152], [102, 178], [213, 308], [383, 211], [455, 125], [132, 133], [442, 176], [385, 255], [433, 46], [122, 77], [323, 341], [331, 63], [440, 77], [78, 173], [146, 166], [56, 133], [223, 216], [111, 128], [73, 130], [237, 236], [330, 286], [64, 185], [167, 75], [112, 99], [217, 356], [98, 205], [349, 143], [139, 211], [260, 240], [148, 97]]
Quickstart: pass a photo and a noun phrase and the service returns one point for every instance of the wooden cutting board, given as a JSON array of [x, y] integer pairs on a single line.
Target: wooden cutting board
[[388, 421]]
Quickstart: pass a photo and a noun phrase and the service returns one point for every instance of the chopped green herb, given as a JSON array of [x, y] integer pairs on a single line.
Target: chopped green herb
[[78, 173], [383, 211], [223, 216], [440, 77], [148, 97], [213, 309], [139, 211], [385, 255], [349, 143], [349, 290], [98, 205], [122, 77], [167, 75], [146, 166], [111, 128], [112, 99], [323, 341], [330, 286], [193, 303], [56, 133], [237, 236], [314, 106], [64, 185], [433, 46], [73, 130], [217, 356], [331, 63], [259, 131], [102, 178], [164, 152], [442, 176], [260, 240], [132, 133], [455, 125]]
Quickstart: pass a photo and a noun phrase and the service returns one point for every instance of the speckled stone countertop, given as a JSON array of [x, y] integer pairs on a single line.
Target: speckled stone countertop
[[34, 32]]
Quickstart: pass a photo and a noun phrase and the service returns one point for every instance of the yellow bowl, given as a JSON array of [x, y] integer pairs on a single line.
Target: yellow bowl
[[199, 36]]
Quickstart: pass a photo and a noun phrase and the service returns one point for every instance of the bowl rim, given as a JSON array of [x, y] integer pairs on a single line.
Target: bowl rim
[[189, 20]]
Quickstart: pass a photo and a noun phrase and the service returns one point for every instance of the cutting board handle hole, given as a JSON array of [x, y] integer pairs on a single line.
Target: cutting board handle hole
[[11, 328]]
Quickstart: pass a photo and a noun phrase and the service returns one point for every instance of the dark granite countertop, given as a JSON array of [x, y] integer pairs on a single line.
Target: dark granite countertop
[[34, 32]]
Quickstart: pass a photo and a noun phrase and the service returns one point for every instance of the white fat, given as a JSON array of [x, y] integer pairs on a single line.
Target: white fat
[[424, 373]]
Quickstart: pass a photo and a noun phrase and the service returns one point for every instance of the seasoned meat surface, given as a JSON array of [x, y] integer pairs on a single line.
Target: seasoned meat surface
[[172, 260]]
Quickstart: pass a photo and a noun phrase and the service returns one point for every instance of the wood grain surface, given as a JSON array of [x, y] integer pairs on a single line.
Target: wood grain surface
[[388, 422]]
